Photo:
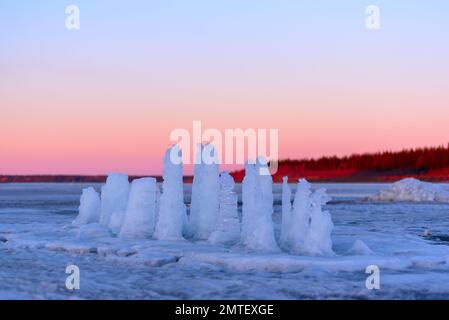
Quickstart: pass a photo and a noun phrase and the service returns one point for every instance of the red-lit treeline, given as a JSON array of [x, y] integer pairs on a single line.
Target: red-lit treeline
[[425, 163]]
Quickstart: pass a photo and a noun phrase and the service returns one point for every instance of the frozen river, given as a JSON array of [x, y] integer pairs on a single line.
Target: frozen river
[[37, 243]]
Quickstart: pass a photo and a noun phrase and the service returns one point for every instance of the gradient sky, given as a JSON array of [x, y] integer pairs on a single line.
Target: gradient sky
[[105, 98]]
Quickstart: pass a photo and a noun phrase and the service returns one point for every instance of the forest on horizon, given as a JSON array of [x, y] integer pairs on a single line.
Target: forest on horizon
[[430, 164]]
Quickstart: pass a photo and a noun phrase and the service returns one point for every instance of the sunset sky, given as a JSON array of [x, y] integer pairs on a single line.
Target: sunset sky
[[106, 97]]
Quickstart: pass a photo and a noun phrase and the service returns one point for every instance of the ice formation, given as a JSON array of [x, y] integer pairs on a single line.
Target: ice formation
[[117, 217], [205, 193], [89, 209], [286, 213], [114, 199], [318, 241], [300, 220], [140, 214], [143, 212], [306, 228], [412, 190], [227, 229], [257, 195], [172, 217], [360, 248]]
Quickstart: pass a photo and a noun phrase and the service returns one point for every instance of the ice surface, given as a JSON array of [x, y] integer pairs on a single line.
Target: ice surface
[[140, 214], [172, 218], [227, 230], [114, 199], [37, 242], [257, 224], [89, 209], [205, 194], [412, 190], [93, 230]]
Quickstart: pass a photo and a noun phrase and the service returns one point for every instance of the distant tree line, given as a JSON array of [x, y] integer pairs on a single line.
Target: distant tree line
[[430, 164], [419, 160]]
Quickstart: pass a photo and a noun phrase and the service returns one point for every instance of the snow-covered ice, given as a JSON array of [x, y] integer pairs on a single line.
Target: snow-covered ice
[[92, 231], [414, 190], [38, 241], [172, 219], [114, 199], [298, 220], [318, 241], [286, 240], [205, 193], [360, 248], [257, 224], [89, 209], [227, 229], [140, 214], [306, 228]]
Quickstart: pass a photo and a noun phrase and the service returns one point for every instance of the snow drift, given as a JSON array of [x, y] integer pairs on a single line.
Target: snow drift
[[412, 190]]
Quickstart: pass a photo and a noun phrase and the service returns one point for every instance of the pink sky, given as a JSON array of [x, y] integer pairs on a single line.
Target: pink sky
[[106, 98]]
